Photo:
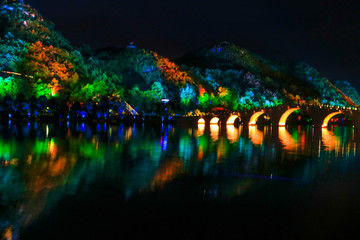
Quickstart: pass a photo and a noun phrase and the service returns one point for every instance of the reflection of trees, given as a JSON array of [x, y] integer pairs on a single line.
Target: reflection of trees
[[169, 170], [38, 171], [48, 169]]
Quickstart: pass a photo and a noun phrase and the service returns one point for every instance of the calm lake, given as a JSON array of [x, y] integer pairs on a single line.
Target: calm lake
[[170, 182]]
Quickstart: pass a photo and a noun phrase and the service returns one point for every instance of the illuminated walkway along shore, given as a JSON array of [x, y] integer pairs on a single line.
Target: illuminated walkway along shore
[[320, 115]]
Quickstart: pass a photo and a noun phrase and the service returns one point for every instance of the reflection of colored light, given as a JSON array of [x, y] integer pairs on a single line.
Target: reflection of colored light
[[200, 153], [128, 133], [203, 145], [47, 130], [256, 136], [214, 132], [167, 172], [58, 166], [8, 233], [303, 139], [329, 139], [232, 133], [221, 151], [164, 141], [52, 149], [82, 127], [286, 139], [201, 129], [285, 115]]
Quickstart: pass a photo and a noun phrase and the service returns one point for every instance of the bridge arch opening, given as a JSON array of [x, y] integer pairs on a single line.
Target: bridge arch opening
[[254, 118], [285, 116], [201, 121], [214, 120], [299, 117], [232, 120], [336, 118], [259, 118]]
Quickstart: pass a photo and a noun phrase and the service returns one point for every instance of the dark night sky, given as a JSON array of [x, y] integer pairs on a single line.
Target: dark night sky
[[323, 33]]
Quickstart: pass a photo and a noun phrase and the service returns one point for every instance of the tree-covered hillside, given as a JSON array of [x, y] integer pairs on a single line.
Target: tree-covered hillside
[[296, 81], [38, 62], [39, 67]]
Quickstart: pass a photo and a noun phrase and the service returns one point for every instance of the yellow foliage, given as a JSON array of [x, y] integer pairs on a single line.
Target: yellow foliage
[[222, 91]]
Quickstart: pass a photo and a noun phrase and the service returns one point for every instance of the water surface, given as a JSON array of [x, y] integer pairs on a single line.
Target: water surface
[[79, 181]]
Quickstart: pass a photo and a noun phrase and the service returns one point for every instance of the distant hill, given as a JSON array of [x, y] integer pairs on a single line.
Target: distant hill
[[287, 77]]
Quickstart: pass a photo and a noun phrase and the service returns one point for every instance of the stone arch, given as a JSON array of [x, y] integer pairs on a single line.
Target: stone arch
[[254, 118], [231, 119], [201, 121], [328, 117], [215, 120], [285, 116]]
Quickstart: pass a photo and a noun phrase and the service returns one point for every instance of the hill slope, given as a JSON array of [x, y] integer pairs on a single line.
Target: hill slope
[[289, 78], [37, 62]]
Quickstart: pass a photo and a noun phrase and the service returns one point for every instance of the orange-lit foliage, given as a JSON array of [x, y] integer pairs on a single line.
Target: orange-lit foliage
[[172, 72], [50, 64], [201, 90], [292, 98]]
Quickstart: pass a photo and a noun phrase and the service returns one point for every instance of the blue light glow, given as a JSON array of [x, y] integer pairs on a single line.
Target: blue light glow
[[83, 114]]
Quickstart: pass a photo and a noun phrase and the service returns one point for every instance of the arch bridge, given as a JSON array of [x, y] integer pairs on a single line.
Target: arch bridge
[[279, 115]]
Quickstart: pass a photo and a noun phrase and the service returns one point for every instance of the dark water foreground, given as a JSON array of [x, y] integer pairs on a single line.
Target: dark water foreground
[[167, 182]]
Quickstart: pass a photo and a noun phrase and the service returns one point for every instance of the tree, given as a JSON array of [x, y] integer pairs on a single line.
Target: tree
[[52, 65], [187, 94]]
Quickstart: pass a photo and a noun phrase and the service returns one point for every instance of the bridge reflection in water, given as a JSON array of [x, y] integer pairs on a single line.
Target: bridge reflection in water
[[329, 140], [256, 136], [233, 133], [43, 164], [286, 139]]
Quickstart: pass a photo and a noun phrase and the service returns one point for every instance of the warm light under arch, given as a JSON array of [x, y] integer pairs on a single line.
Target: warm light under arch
[[231, 119], [214, 120], [285, 115], [255, 117], [328, 117], [201, 121]]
